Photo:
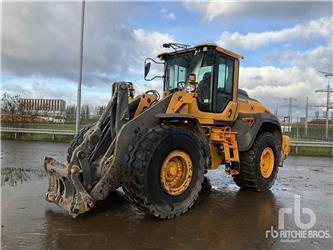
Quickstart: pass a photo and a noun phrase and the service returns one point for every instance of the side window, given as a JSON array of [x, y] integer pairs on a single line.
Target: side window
[[229, 76], [205, 78], [222, 71], [203, 72], [176, 74], [224, 83]]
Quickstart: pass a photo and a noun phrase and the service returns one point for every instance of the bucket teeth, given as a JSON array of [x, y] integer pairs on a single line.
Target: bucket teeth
[[65, 188]]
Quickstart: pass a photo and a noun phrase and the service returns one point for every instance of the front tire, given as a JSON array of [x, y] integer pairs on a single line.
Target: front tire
[[260, 164], [164, 171], [77, 140]]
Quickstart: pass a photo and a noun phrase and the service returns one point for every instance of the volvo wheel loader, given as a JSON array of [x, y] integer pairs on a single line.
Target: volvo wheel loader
[[158, 149]]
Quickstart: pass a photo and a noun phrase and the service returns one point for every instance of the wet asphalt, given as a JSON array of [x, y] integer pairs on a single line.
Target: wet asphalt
[[224, 217]]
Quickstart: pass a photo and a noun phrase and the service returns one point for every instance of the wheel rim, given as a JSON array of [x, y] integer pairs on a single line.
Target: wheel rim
[[267, 162], [176, 172]]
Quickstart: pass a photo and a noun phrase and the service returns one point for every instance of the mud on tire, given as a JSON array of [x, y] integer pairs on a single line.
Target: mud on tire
[[141, 170], [77, 140], [250, 175]]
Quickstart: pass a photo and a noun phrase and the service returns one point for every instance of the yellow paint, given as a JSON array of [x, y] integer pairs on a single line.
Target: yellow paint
[[267, 162], [145, 102], [225, 137], [251, 106], [216, 158], [179, 100], [131, 99], [183, 102], [285, 146], [176, 172]]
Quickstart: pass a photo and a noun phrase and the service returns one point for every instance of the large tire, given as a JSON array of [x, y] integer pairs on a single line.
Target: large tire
[[77, 140], [143, 164], [250, 175]]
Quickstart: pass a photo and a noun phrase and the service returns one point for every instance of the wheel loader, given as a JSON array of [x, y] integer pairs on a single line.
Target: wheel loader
[[159, 148]]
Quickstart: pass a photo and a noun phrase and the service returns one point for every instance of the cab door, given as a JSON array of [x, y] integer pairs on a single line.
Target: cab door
[[216, 103], [223, 87]]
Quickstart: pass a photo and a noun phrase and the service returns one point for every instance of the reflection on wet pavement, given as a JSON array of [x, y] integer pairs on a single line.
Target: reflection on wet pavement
[[224, 217], [14, 176]]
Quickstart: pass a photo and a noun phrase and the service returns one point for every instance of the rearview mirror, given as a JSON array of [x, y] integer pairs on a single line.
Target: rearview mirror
[[147, 68]]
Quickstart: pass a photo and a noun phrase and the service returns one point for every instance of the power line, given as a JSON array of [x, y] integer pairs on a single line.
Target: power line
[[328, 90], [290, 106]]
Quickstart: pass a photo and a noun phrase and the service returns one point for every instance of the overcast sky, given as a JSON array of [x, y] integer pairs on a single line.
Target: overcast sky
[[284, 44]]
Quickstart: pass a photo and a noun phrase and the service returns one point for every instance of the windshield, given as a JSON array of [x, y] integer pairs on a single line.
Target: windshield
[[178, 67]]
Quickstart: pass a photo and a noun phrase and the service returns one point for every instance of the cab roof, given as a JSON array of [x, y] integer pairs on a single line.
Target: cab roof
[[212, 45]]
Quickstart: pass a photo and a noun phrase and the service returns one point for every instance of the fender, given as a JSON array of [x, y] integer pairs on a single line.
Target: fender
[[176, 117], [246, 134]]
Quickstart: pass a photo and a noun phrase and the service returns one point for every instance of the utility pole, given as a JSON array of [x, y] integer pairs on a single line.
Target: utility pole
[[306, 116], [78, 100], [328, 90], [277, 110], [290, 112]]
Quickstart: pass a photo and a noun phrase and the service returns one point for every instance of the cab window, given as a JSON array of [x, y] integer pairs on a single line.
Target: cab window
[[224, 83], [205, 84]]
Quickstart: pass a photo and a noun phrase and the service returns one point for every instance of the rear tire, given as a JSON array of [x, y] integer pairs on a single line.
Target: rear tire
[[251, 173], [145, 159]]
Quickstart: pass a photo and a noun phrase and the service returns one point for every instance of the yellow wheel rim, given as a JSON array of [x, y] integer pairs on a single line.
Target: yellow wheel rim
[[176, 172], [267, 162]]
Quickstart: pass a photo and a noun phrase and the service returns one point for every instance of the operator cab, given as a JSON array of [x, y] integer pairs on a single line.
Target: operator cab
[[212, 72]]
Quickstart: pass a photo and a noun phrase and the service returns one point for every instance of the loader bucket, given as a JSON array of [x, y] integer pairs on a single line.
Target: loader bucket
[[65, 188]]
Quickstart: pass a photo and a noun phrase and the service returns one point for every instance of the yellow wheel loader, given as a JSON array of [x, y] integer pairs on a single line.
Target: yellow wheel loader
[[158, 149]]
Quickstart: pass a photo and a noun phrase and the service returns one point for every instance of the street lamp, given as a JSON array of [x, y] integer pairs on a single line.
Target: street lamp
[[78, 99]]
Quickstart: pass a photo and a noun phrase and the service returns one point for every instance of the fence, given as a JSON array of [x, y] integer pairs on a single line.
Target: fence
[[312, 144], [298, 131], [52, 132], [294, 143]]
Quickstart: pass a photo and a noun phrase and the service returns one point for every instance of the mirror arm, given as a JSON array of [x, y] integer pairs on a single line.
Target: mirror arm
[[151, 59], [148, 58], [153, 78]]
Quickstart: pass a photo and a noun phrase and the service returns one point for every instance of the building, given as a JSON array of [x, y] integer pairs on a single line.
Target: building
[[49, 109]]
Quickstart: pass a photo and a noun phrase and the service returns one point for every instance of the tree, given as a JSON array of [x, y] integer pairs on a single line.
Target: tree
[[12, 106], [85, 112], [70, 112]]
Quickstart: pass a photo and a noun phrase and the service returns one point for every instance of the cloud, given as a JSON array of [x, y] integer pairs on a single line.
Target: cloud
[[150, 42], [166, 14], [271, 85], [320, 58], [230, 10], [41, 39], [41, 89], [317, 28]]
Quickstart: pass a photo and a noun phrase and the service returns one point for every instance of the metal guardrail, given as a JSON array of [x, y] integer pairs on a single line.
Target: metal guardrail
[[314, 144], [319, 144], [52, 132]]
